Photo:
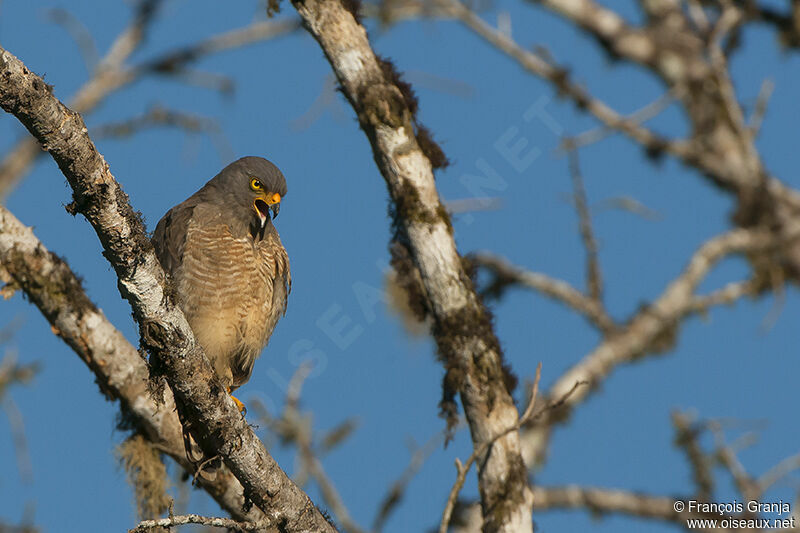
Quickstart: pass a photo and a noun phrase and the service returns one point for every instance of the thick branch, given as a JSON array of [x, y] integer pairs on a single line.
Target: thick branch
[[462, 329], [120, 371], [164, 330]]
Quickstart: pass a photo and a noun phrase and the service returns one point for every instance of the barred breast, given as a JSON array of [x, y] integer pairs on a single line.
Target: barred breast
[[232, 291]]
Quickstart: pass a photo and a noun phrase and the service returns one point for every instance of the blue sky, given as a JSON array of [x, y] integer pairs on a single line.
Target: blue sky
[[333, 222]]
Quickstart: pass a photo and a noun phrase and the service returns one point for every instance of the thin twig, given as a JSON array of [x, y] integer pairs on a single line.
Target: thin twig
[[559, 78], [727, 295], [760, 109], [594, 277], [112, 74], [628, 204], [640, 116], [698, 16], [395, 493], [507, 273], [295, 427], [778, 472], [19, 159], [79, 33], [686, 438], [463, 469], [157, 116], [21, 449], [726, 455]]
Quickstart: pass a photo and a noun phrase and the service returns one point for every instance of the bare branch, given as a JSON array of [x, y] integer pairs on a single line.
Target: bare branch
[[463, 469], [778, 472], [80, 34], [629, 204], [639, 116], [757, 118], [14, 373], [295, 428], [112, 74], [728, 294], [466, 341], [11, 372], [559, 290], [559, 78], [218, 425], [180, 520], [157, 116], [721, 148], [747, 486], [180, 58], [133, 36], [202, 79], [395, 493], [608, 501], [120, 371], [21, 449], [16, 163], [594, 278], [651, 330], [686, 438], [471, 205]]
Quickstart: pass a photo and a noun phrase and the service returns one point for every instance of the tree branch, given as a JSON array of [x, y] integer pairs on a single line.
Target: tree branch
[[200, 397], [557, 289], [179, 520], [120, 371], [462, 330], [594, 276], [607, 501], [686, 438], [668, 46], [653, 329], [112, 74]]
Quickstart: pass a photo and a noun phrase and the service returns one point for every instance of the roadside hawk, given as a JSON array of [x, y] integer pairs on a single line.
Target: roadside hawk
[[228, 268]]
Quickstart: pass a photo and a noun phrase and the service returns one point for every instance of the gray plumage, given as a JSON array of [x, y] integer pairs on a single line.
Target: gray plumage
[[228, 267]]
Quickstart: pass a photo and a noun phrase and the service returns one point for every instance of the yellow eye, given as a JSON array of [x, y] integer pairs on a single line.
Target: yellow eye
[[256, 185]]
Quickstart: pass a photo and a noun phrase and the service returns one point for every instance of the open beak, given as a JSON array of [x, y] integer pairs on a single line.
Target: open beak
[[265, 203]]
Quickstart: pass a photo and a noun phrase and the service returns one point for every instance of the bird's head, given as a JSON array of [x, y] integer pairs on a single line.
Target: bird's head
[[253, 187]]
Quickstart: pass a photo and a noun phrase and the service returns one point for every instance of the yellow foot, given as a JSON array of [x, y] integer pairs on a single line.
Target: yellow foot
[[238, 402]]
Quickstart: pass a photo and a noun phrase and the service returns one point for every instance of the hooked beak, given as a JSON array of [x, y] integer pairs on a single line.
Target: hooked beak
[[264, 203]]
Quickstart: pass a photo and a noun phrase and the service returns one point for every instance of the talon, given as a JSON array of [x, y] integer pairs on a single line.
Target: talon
[[238, 402]]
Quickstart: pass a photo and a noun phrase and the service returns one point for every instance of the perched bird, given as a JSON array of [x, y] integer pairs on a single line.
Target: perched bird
[[228, 268]]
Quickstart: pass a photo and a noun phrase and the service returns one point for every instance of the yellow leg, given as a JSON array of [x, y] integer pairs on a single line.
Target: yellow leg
[[238, 402]]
